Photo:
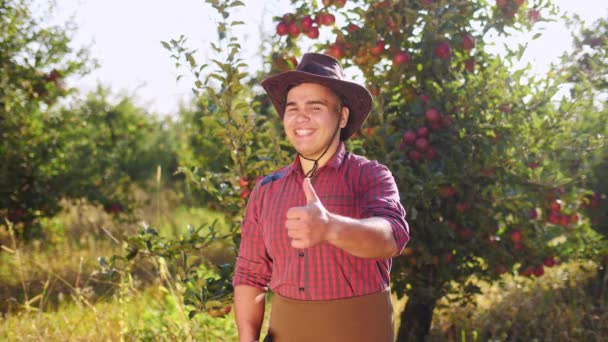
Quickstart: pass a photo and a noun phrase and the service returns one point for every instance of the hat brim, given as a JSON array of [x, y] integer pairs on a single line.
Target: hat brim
[[356, 97]]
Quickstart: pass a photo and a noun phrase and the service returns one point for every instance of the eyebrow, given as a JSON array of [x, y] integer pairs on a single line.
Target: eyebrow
[[311, 102]]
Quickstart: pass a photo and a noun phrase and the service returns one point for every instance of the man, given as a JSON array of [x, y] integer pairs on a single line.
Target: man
[[321, 232]]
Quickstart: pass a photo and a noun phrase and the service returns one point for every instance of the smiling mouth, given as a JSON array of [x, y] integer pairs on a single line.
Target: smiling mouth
[[304, 132]]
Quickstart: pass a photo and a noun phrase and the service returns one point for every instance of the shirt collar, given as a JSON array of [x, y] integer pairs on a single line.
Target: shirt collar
[[334, 162]]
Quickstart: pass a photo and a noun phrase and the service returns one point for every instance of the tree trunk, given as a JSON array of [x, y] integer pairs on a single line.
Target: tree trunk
[[416, 318]]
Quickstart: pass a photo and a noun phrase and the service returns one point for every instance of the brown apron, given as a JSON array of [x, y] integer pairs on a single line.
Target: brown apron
[[366, 319]]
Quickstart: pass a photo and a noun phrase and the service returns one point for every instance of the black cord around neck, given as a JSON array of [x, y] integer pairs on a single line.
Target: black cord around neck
[[315, 164]]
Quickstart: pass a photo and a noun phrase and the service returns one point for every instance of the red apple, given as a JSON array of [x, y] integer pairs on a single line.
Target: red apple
[[533, 15], [294, 30], [243, 182], [339, 3], [465, 233], [575, 218], [306, 23], [245, 193], [424, 98], [526, 271], [430, 153], [409, 137], [469, 65], [282, 29], [555, 218], [461, 207], [435, 127], [326, 19], [446, 121], [378, 48], [313, 32], [549, 261], [499, 269], [488, 171], [421, 144], [336, 51], [352, 28], [556, 206], [533, 214], [448, 256], [432, 115], [423, 131], [515, 236], [468, 42], [443, 50], [539, 270], [447, 191], [401, 57], [414, 155], [327, 2]]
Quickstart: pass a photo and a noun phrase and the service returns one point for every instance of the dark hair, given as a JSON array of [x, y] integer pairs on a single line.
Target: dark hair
[[341, 98]]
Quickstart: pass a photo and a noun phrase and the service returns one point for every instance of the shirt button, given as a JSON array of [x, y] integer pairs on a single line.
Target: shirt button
[[301, 289], [300, 253]]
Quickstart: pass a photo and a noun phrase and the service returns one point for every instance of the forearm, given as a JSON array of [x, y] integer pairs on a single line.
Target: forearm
[[249, 304], [366, 238]]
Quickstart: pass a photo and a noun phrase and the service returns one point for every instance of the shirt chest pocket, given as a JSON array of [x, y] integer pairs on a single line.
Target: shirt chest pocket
[[345, 205]]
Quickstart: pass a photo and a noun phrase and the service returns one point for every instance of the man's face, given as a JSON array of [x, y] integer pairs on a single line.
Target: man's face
[[312, 115]]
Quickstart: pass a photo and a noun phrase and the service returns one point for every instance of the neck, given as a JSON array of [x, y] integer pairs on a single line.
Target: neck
[[308, 162]]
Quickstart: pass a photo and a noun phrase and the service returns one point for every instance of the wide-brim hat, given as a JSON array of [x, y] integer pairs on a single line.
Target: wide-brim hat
[[327, 71]]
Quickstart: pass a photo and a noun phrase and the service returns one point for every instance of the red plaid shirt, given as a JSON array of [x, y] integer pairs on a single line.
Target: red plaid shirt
[[347, 185]]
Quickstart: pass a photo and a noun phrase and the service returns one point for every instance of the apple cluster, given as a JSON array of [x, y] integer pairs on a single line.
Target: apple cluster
[[370, 50], [416, 143], [509, 7], [293, 26], [245, 186], [558, 217], [538, 270]]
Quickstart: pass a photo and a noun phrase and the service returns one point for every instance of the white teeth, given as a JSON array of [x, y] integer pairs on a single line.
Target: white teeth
[[303, 132]]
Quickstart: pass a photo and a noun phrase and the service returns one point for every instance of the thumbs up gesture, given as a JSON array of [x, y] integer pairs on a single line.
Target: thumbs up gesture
[[308, 225]]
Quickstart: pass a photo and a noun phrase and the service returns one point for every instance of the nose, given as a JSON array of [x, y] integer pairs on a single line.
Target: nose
[[301, 116]]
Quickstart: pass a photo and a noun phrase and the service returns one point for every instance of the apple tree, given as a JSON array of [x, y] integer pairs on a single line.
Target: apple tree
[[486, 157], [92, 148], [227, 142], [35, 61], [586, 71]]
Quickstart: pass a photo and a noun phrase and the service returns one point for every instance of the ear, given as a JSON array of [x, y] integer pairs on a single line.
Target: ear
[[344, 114]]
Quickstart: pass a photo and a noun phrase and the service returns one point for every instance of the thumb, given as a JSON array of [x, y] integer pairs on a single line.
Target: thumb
[[309, 191]]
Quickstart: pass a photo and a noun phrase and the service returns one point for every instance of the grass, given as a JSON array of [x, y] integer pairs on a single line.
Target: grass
[[152, 314], [52, 291], [555, 307]]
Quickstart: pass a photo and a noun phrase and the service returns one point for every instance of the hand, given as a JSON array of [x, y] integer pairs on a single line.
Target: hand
[[308, 226]]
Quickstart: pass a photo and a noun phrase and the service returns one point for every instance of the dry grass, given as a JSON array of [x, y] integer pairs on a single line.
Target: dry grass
[[555, 307], [51, 291]]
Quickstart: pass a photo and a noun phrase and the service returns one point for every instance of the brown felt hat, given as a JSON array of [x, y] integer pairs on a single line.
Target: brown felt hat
[[327, 71]]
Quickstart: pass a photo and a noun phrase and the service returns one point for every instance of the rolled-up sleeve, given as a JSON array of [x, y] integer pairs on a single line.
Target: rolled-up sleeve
[[381, 199], [253, 264]]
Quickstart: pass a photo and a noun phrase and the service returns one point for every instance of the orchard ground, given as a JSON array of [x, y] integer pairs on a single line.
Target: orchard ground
[[55, 292]]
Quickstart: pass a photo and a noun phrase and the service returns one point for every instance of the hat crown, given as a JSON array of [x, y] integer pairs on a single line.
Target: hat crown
[[322, 65]]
